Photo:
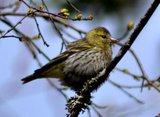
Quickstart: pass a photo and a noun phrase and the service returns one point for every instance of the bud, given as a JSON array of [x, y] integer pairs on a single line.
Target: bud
[[125, 71], [78, 16], [37, 37], [30, 11], [41, 7], [130, 25], [64, 10], [90, 17]]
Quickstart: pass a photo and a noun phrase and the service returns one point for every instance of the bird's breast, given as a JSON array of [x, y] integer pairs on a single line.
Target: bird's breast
[[84, 65]]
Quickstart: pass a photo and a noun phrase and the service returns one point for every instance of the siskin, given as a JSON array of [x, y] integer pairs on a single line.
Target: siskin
[[84, 59]]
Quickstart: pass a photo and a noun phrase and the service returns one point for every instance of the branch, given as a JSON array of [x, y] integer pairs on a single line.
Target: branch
[[78, 103], [19, 22], [124, 91], [39, 31], [73, 6], [46, 17]]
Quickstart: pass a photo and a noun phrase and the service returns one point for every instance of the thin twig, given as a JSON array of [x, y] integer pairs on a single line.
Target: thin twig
[[8, 6], [58, 89], [124, 91], [45, 16], [128, 73], [138, 86], [40, 51], [60, 34], [12, 28], [33, 2], [33, 52], [73, 6], [124, 35], [25, 37], [45, 5], [89, 113], [39, 31], [68, 34], [53, 14], [145, 77], [12, 36], [99, 107], [98, 113], [56, 28]]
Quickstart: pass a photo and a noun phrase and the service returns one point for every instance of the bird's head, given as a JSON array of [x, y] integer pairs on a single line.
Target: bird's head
[[100, 37]]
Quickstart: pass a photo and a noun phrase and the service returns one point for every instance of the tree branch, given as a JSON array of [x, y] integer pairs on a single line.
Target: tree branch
[[77, 104]]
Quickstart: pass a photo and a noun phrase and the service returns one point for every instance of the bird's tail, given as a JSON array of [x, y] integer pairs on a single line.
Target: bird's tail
[[28, 79]]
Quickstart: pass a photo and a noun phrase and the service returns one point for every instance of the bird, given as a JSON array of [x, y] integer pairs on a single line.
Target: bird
[[83, 59]]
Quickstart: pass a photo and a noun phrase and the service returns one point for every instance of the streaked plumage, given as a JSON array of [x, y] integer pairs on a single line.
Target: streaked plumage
[[83, 60]]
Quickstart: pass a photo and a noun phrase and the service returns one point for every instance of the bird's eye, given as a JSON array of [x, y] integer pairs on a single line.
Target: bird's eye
[[103, 36]]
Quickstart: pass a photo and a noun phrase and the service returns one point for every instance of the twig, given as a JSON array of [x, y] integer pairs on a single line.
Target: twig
[[60, 34], [12, 36], [128, 73], [145, 77], [73, 6], [56, 28], [39, 31], [124, 35], [33, 2], [95, 107], [39, 50], [124, 91], [138, 86], [8, 6], [68, 34], [98, 106], [89, 113], [53, 14], [58, 89], [45, 16], [45, 5], [33, 52], [98, 113], [25, 37], [13, 27]]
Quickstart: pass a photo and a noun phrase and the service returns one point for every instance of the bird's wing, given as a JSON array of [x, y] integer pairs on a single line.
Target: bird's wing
[[60, 59], [55, 61]]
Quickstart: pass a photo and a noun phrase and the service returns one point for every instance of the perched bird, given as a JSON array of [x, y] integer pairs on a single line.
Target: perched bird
[[84, 59]]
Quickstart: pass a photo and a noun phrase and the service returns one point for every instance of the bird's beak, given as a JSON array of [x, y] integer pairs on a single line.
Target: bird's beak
[[113, 40]]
